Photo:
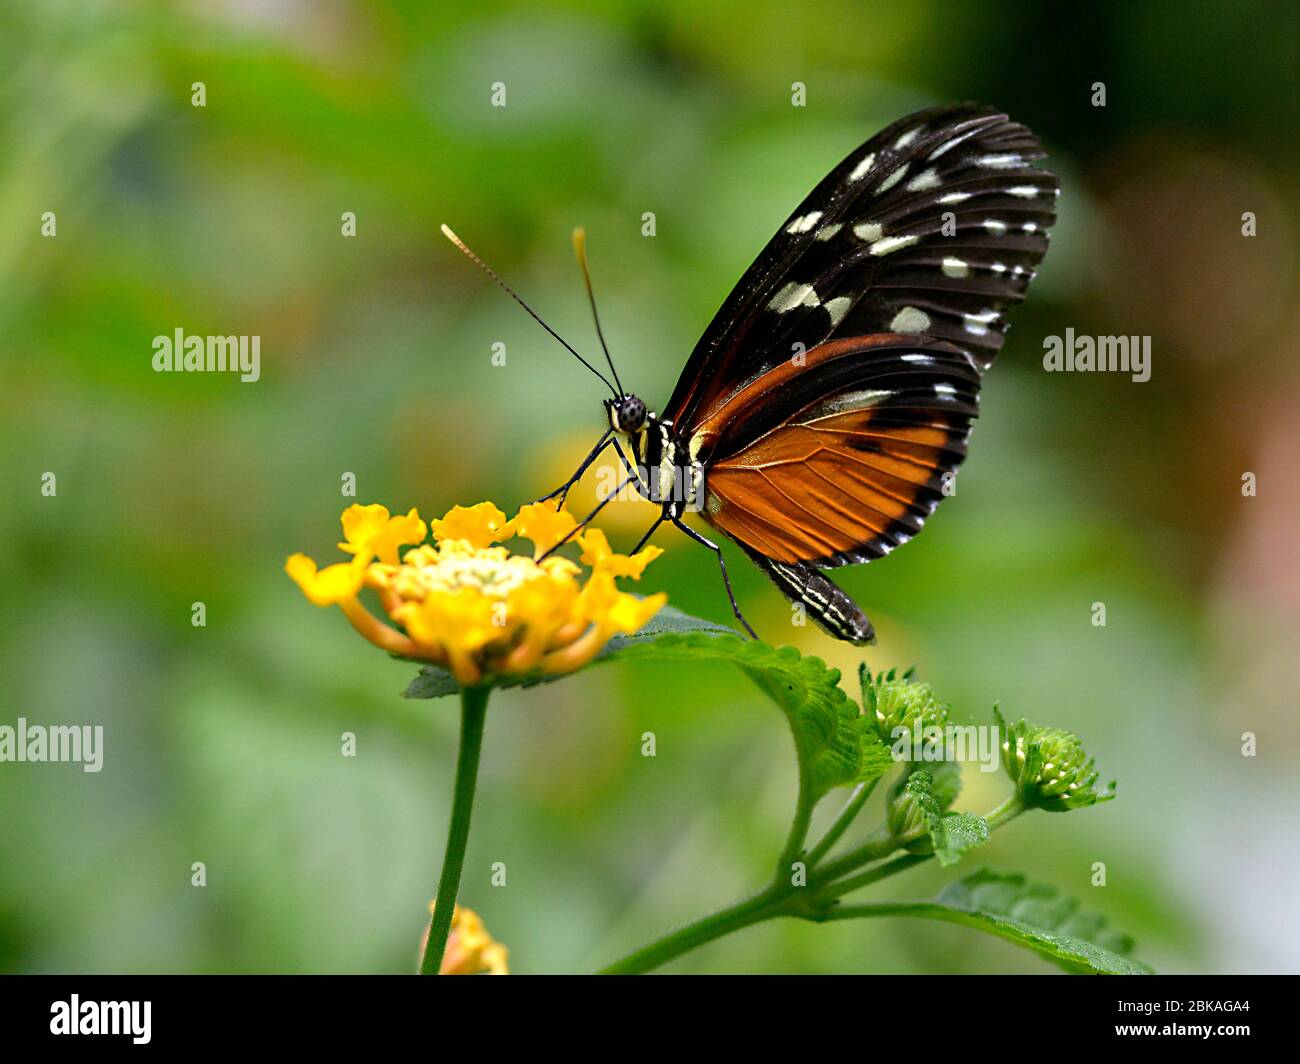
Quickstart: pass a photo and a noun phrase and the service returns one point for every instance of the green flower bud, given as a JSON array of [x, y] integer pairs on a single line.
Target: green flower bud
[[1050, 768], [901, 704], [909, 809]]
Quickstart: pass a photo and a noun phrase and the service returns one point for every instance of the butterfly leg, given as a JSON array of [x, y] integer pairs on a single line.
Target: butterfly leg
[[563, 490], [722, 564], [632, 470], [587, 520], [646, 538]]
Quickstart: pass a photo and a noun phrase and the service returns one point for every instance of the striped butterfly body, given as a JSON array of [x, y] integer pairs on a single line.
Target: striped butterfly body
[[827, 405]]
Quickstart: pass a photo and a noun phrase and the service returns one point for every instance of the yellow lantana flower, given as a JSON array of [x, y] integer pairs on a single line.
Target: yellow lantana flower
[[472, 606]]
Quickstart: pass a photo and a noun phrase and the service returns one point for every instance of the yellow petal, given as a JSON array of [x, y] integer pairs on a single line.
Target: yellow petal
[[558, 566], [459, 622], [544, 525], [599, 596], [478, 525], [361, 524], [631, 565], [404, 530], [597, 553], [595, 546], [370, 528], [327, 586], [630, 613]]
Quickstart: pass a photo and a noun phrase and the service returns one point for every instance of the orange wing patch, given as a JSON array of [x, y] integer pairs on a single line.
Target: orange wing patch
[[859, 480]]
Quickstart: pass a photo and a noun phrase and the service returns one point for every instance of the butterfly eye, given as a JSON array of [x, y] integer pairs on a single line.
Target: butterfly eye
[[631, 414]]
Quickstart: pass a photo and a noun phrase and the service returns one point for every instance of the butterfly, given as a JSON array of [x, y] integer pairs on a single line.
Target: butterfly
[[821, 417]]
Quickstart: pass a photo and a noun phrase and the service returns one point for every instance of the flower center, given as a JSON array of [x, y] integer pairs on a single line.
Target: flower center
[[494, 577]]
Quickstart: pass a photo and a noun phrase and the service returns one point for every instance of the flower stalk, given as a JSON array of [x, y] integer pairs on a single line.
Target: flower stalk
[[473, 713], [817, 901]]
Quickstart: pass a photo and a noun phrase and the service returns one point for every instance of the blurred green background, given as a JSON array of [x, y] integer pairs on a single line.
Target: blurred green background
[[223, 743]]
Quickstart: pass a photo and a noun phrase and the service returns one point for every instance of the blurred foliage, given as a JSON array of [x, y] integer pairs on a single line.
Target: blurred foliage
[[222, 743]]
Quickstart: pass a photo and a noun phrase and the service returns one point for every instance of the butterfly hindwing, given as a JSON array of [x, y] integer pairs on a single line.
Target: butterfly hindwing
[[842, 459]]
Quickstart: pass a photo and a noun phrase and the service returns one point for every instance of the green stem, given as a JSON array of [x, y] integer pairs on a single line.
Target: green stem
[[1003, 814], [811, 902], [798, 828], [473, 711], [764, 906], [1007, 811], [846, 817], [873, 875], [879, 844], [882, 908]]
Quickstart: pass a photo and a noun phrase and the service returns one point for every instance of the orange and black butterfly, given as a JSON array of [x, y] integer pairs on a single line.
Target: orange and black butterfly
[[833, 392]]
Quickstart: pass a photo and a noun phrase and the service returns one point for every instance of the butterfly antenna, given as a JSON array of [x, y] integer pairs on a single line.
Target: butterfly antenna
[[515, 296], [580, 250]]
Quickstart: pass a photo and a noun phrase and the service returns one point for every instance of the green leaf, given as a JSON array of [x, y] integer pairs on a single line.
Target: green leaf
[[955, 833], [1038, 917], [945, 782], [918, 801], [836, 744]]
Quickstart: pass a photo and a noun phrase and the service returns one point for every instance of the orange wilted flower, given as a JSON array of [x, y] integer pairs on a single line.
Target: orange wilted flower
[[470, 949]]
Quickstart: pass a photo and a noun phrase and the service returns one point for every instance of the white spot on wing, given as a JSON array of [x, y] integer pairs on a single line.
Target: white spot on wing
[[828, 231], [998, 162], [837, 308], [1024, 191], [955, 197], [906, 139], [994, 226], [837, 404], [977, 324], [955, 267], [793, 295], [863, 168], [891, 244], [944, 389], [924, 180], [869, 231], [892, 179], [802, 225], [950, 144], [910, 320], [922, 359]]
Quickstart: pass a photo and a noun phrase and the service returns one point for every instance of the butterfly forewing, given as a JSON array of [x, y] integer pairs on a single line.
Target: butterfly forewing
[[932, 228]]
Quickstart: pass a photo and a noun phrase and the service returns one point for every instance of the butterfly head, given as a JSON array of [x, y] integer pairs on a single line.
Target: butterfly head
[[627, 414]]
